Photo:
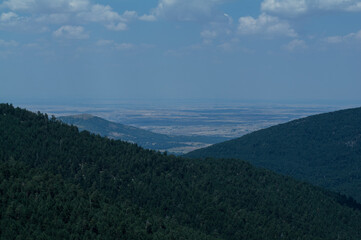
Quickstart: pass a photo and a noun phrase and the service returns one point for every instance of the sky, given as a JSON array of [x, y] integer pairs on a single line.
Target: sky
[[272, 50]]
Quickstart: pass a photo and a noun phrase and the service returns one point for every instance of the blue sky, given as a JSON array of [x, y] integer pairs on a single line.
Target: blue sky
[[276, 50]]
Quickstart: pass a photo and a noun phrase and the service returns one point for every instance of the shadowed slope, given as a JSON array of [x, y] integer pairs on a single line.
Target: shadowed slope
[[323, 149]]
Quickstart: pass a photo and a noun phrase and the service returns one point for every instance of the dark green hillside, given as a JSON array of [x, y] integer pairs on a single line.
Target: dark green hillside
[[144, 138], [142, 193], [35, 204], [323, 149]]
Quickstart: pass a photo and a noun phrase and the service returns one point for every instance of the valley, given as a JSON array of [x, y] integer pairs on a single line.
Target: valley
[[206, 122]]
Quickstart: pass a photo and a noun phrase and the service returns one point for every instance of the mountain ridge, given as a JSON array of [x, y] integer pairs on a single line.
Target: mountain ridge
[[323, 149]]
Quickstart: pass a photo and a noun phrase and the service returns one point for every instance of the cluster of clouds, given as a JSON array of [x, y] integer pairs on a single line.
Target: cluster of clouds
[[276, 17], [71, 32], [348, 37], [265, 24], [46, 6], [185, 10], [272, 11], [66, 19], [295, 44], [68, 16], [300, 7]]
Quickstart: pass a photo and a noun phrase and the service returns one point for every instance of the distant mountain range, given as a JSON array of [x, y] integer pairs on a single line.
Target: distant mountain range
[[59, 183], [144, 138], [323, 149]]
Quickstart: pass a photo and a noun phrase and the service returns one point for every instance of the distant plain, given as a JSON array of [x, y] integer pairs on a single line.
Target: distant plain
[[227, 120]]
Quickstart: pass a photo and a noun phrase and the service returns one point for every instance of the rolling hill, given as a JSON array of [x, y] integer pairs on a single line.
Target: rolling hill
[[144, 138], [323, 149], [57, 183]]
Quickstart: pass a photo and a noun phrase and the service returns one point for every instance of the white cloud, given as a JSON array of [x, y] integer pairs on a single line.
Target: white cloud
[[112, 45], [289, 7], [184, 10], [129, 16], [343, 5], [357, 35], [295, 44], [219, 30], [230, 46], [8, 16], [10, 20], [71, 32], [78, 5], [117, 27], [18, 5], [54, 18], [265, 24], [209, 34], [100, 13], [104, 42], [32, 45], [230, 19], [340, 39], [46, 6], [111, 19], [334, 39], [148, 18], [124, 46], [356, 7], [11, 43], [298, 7], [67, 12]]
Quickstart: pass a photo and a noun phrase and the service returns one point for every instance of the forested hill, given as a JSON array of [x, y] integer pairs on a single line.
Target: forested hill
[[323, 149], [144, 138], [57, 183]]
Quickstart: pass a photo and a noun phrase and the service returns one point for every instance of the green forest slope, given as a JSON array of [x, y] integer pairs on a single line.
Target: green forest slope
[[35, 204], [324, 150], [57, 183]]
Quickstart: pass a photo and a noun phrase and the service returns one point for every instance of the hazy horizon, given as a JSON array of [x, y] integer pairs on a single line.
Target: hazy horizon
[[178, 101]]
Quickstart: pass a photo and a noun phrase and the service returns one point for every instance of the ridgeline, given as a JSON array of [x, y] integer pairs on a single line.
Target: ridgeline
[[323, 149]]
